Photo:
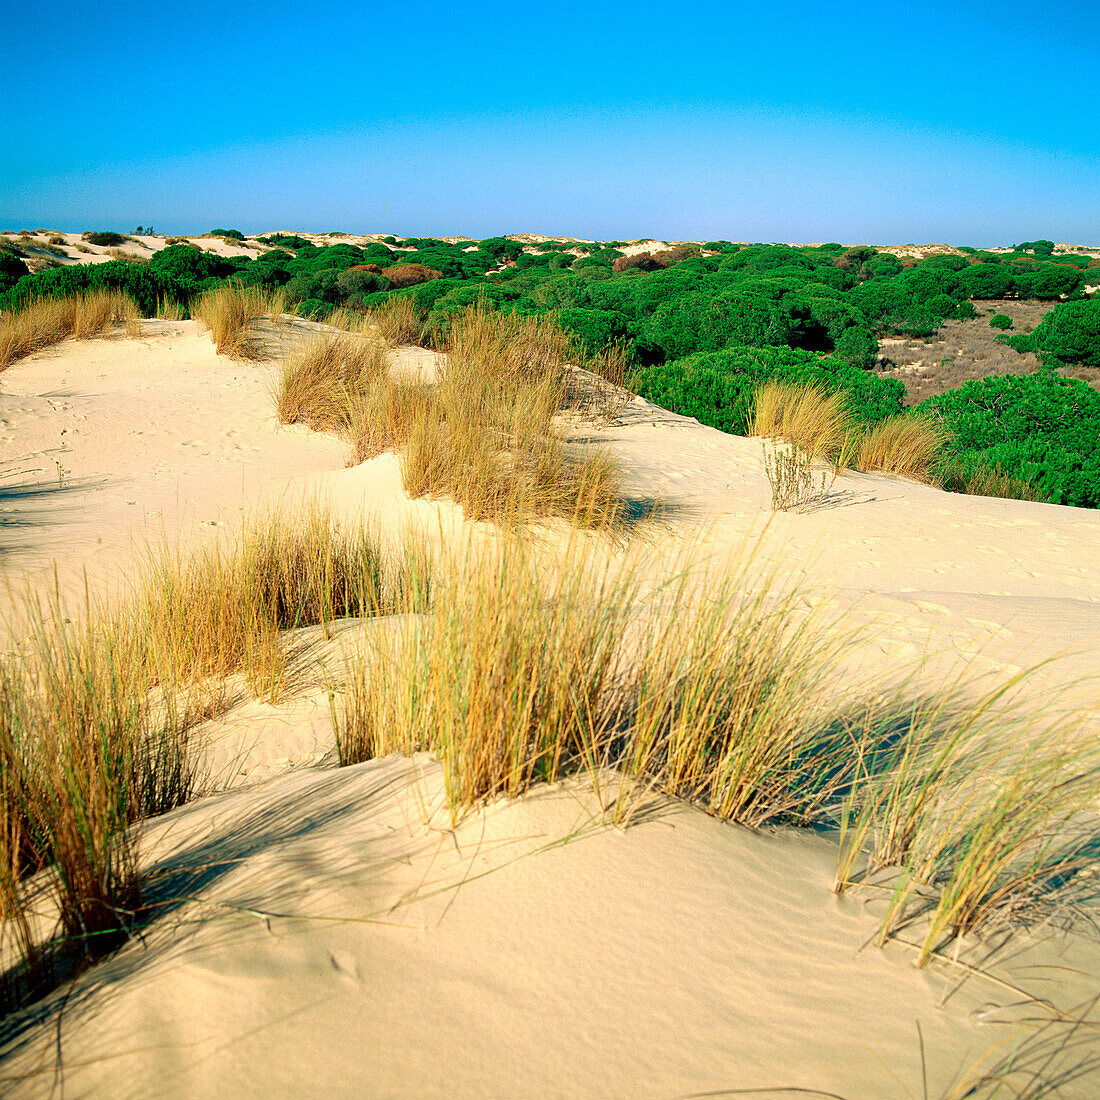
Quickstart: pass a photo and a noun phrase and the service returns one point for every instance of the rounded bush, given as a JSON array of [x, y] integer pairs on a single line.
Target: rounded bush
[[1000, 320], [1039, 427], [1071, 332], [404, 275]]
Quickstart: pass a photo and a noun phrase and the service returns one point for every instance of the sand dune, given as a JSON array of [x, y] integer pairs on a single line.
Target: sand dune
[[332, 934]]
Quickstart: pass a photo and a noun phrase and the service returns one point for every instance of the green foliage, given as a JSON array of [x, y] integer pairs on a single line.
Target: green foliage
[[987, 281], [717, 388], [1000, 320], [232, 234], [1049, 282], [12, 269], [1041, 428], [315, 309], [103, 238], [1040, 248], [596, 327], [501, 249], [141, 282], [857, 347], [693, 322], [356, 280], [285, 240], [1070, 333]]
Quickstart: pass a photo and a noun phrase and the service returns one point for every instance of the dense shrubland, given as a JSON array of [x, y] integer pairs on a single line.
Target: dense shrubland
[[702, 323]]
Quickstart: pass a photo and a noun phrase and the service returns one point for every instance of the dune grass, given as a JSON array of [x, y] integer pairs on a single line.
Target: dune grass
[[907, 445], [489, 441], [524, 704], [817, 421], [483, 434], [397, 321], [966, 812], [979, 809], [45, 321], [320, 381], [819, 428], [230, 312], [96, 710]]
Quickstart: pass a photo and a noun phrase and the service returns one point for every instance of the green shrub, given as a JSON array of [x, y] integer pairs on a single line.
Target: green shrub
[[145, 285], [716, 388], [857, 347], [596, 327], [1000, 320], [358, 280], [500, 248], [1040, 247], [1049, 282], [314, 308], [1040, 427], [12, 269], [1070, 333], [1024, 342], [987, 281], [232, 234], [103, 238]]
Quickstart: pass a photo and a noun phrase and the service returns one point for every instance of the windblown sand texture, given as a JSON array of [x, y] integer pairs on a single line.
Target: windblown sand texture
[[333, 934]]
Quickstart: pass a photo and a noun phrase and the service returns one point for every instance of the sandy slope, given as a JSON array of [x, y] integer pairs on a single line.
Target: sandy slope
[[343, 940]]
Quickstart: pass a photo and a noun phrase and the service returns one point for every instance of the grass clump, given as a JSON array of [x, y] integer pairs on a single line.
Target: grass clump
[[49, 320], [229, 313], [979, 809], [910, 446], [397, 320], [527, 703], [815, 419], [95, 714], [728, 695], [489, 440], [482, 434], [320, 381]]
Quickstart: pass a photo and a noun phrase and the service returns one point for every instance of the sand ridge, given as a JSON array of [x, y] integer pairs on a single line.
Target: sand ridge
[[338, 936]]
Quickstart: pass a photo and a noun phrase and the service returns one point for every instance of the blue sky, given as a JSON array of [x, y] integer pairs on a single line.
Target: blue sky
[[885, 122]]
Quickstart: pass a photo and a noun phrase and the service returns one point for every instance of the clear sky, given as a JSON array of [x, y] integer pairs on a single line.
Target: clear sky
[[883, 121]]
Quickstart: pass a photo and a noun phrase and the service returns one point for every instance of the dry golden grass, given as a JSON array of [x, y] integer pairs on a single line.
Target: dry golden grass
[[490, 442], [908, 445], [483, 435], [397, 320], [170, 310], [229, 313], [981, 804], [529, 700], [319, 382], [46, 321], [727, 694], [95, 710], [383, 414], [816, 420]]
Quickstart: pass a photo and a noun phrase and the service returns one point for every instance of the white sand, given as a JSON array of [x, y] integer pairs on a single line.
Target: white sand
[[343, 940]]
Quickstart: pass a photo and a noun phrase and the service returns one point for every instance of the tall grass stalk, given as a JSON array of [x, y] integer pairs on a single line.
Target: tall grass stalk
[[490, 441], [397, 321], [319, 382], [95, 711], [815, 420], [907, 445], [981, 808], [229, 314], [509, 678]]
